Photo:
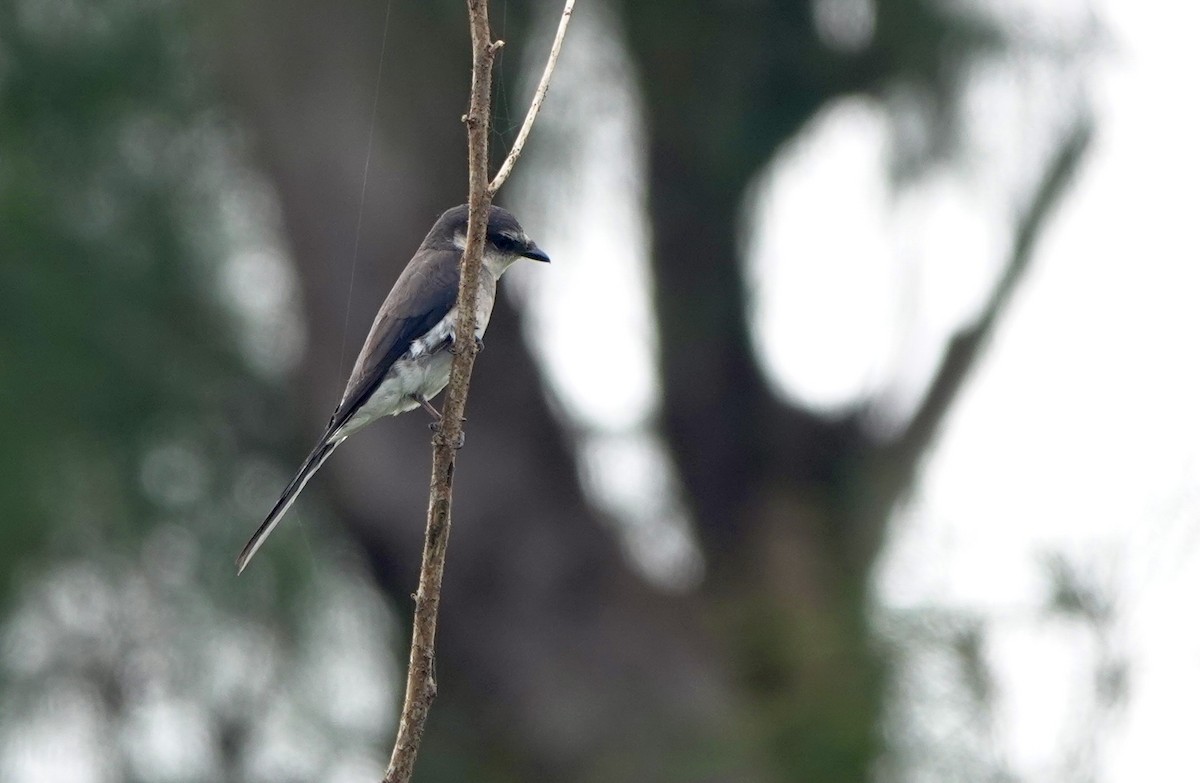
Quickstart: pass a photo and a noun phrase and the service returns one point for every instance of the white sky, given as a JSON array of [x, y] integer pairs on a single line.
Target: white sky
[[1079, 434]]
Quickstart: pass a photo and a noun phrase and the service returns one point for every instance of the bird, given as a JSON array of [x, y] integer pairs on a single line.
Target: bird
[[405, 360]]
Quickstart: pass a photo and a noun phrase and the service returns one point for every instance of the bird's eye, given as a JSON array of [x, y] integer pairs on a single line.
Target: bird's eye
[[506, 243]]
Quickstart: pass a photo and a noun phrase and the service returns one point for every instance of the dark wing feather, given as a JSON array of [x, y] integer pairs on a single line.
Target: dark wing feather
[[422, 296]]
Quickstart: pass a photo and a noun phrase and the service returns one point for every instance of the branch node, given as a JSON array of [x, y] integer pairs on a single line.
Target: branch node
[[456, 443], [469, 347]]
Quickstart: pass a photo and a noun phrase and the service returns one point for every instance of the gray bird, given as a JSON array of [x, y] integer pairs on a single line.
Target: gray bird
[[406, 358]]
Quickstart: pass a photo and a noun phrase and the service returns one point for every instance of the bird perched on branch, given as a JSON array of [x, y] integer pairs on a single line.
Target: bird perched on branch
[[406, 358]]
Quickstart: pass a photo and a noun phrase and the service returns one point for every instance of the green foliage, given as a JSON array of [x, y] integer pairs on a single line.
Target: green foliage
[[136, 255], [111, 340]]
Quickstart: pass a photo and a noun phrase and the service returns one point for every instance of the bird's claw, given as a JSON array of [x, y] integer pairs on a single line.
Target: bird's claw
[[454, 345], [457, 443]]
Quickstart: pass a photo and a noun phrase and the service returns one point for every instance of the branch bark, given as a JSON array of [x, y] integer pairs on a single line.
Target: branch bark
[[421, 685], [421, 688]]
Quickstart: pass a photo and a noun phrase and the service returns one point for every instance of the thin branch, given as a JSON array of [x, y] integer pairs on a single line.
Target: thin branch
[[538, 97], [421, 686], [965, 348]]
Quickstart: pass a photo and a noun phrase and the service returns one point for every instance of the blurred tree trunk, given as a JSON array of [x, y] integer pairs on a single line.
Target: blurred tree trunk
[[556, 662], [554, 658], [791, 505]]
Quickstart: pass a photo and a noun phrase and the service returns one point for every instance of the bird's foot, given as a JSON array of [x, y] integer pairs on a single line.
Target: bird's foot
[[436, 428], [434, 412], [454, 345]]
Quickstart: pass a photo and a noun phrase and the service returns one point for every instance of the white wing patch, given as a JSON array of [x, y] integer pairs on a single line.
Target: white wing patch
[[493, 266], [443, 330]]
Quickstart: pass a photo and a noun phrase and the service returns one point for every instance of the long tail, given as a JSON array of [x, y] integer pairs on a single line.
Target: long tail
[[311, 465]]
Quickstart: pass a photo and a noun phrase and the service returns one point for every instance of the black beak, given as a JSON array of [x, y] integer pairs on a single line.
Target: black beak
[[536, 253]]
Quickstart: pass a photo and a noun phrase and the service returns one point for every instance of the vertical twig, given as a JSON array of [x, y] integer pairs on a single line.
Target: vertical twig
[[421, 687], [538, 97]]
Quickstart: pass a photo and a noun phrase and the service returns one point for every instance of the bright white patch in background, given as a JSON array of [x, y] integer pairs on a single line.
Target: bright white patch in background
[[239, 232], [590, 309], [627, 476], [61, 740], [349, 678], [588, 316], [949, 242], [592, 305], [855, 287], [260, 286], [181, 665], [256, 282], [848, 25], [168, 740], [823, 285]]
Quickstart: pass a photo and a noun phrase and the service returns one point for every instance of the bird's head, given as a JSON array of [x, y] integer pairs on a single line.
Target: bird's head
[[506, 241]]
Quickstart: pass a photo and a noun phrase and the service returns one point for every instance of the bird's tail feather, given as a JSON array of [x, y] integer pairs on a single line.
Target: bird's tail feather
[[311, 465]]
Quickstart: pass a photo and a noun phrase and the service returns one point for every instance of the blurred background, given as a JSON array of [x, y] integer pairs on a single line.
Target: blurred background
[[850, 436]]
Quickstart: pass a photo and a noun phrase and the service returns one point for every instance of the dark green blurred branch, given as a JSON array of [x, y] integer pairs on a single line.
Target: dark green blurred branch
[[965, 348]]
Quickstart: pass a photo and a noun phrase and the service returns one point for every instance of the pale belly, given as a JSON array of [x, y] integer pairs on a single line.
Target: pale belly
[[407, 380], [425, 372]]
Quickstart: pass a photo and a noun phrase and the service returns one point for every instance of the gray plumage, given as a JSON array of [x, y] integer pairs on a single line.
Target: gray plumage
[[406, 358]]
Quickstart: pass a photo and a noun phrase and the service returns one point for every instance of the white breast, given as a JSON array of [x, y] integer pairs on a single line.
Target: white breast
[[424, 370]]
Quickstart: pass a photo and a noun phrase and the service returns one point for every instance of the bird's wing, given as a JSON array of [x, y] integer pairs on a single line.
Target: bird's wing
[[422, 297]]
